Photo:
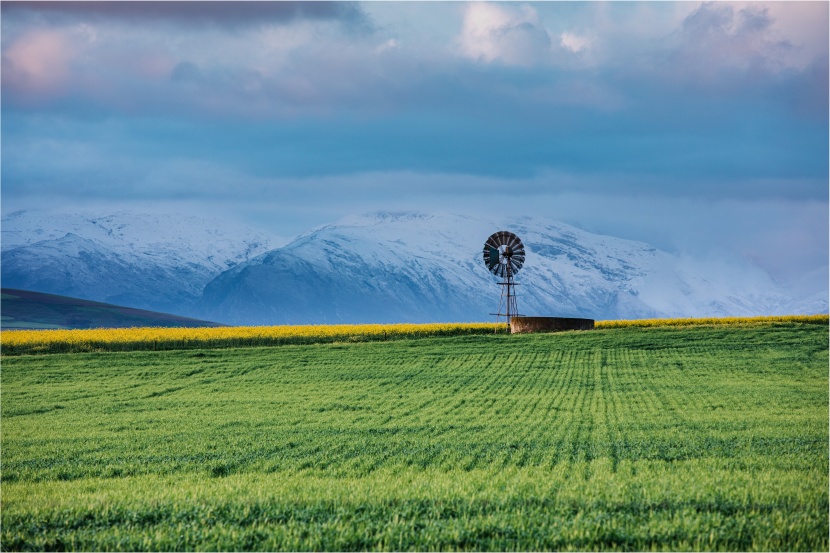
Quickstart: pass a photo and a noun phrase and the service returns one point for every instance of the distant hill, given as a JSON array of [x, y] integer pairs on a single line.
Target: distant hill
[[23, 309]]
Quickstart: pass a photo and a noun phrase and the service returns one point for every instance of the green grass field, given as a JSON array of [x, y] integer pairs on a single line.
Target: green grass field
[[691, 438]]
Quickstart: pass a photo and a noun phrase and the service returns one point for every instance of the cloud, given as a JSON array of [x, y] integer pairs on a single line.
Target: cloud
[[503, 60], [509, 34], [305, 98], [574, 42], [719, 39], [117, 68], [739, 38], [38, 63], [225, 14]]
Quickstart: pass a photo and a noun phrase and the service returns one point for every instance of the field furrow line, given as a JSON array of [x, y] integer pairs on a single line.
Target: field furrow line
[[598, 408], [563, 407], [613, 367], [577, 421], [504, 423], [536, 422]]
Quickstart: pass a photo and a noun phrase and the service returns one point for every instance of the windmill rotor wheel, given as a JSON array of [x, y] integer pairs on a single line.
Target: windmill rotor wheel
[[504, 253]]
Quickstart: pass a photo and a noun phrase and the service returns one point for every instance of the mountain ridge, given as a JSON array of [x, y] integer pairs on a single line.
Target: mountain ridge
[[417, 267], [404, 266]]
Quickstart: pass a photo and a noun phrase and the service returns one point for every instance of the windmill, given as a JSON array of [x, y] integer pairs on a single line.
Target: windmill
[[504, 255]]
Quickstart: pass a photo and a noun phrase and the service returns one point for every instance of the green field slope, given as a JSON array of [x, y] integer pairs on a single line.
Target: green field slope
[[694, 438], [24, 309]]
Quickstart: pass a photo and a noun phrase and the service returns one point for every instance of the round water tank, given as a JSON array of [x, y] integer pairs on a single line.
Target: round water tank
[[523, 325]]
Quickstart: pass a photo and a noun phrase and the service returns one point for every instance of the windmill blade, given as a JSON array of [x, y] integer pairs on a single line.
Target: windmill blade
[[519, 258], [517, 246]]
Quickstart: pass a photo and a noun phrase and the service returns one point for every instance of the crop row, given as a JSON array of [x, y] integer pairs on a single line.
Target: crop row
[[18, 342]]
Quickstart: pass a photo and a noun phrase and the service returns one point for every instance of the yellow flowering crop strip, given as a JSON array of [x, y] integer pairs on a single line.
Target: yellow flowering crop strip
[[17, 342], [810, 319], [20, 342]]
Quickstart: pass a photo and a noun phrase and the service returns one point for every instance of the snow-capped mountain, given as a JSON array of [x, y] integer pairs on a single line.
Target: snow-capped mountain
[[149, 261], [377, 267], [416, 267]]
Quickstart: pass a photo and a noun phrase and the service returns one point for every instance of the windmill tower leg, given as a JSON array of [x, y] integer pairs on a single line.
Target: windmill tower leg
[[512, 309], [507, 302]]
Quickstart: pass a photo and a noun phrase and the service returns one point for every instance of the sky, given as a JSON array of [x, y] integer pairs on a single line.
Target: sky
[[701, 128]]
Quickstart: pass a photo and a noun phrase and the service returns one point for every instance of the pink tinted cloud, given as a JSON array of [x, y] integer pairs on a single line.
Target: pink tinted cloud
[[38, 63], [44, 65]]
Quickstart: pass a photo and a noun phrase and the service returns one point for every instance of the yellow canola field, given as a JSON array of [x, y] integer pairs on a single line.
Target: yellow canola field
[[156, 338], [814, 319], [16, 342]]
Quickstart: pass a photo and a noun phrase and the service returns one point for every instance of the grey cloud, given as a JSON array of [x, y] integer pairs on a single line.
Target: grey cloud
[[222, 13], [186, 71], [717, 36]]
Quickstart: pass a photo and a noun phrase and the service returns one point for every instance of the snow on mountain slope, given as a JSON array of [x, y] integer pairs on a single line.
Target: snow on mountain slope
[[150, 261], [378, 267], [416, 267]]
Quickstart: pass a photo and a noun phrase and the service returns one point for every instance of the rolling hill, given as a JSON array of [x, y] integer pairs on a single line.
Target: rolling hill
[[23, 309]]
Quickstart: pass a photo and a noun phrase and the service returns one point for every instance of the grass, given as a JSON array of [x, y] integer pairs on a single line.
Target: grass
[[695, 438]]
